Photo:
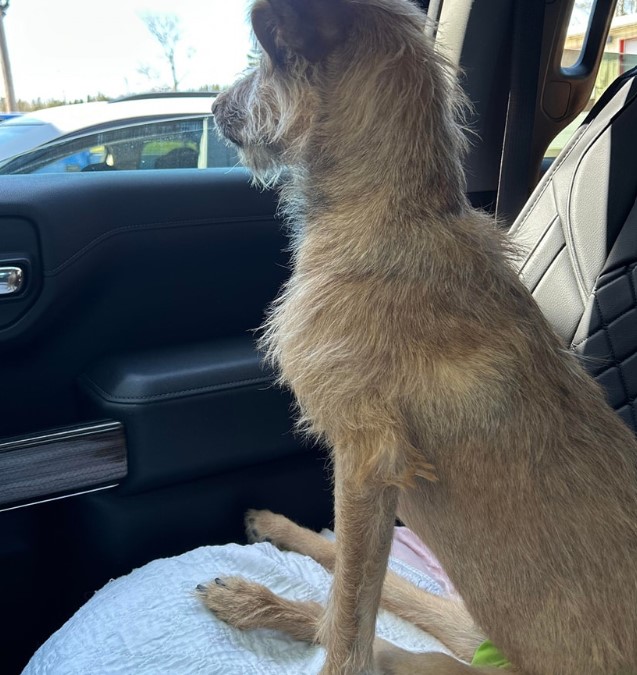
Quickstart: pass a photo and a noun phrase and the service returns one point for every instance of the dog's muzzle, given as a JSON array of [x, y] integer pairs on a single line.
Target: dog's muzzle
[[220, 114]]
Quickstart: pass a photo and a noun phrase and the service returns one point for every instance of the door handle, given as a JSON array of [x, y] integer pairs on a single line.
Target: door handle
[[11, 280]]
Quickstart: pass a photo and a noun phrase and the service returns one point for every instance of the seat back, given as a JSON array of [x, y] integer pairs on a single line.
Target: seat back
[[578, 241]]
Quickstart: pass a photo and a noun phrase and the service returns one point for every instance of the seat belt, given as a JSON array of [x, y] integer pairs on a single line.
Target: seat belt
[[516, 171], [452, 27]]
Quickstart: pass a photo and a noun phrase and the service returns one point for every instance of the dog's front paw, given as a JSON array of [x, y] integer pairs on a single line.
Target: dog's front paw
[[267, 526], [236, 601]]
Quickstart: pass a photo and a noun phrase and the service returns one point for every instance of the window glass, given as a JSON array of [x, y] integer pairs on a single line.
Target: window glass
[[186, 143], [155, 53], [620, 55], [13, 132], [577, 27]]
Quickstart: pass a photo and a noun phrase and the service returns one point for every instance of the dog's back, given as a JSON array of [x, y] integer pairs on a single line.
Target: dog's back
[[534, 514]]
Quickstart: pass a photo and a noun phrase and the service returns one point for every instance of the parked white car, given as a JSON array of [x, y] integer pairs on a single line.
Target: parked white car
[[154, 131]]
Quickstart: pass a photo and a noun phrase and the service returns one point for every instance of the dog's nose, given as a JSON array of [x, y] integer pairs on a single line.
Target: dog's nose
[[217, 104]]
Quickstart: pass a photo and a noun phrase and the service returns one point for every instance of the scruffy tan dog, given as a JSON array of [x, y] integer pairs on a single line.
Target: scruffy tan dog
[[415, 351]]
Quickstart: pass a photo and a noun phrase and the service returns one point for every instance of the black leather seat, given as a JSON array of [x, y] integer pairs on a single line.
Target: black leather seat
[[578, 241]]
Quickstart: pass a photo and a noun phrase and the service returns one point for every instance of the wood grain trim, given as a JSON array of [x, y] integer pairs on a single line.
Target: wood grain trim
[[59, 461]]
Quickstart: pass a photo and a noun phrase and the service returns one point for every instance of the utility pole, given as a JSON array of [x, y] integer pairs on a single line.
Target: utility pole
[[9, 95]]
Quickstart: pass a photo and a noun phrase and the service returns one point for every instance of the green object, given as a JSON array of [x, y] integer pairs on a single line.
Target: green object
[[487, 654]]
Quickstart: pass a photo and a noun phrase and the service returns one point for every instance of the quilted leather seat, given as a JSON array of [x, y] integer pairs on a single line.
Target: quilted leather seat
[[578, 241]]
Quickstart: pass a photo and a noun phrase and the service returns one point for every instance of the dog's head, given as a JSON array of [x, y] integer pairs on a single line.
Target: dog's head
[[267, 111], [335, 76]]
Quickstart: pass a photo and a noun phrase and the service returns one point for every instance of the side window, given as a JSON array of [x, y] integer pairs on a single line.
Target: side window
[[619, 56], [129, 88], [186, 143]]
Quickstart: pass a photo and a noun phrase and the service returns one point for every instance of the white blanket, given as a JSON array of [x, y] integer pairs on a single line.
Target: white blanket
[[150, 623]]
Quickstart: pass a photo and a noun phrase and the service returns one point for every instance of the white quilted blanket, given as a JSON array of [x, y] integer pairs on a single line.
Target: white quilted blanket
[[150, 623]]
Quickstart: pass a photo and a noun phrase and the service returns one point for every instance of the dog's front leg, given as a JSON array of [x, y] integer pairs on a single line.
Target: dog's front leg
[[364, 520]]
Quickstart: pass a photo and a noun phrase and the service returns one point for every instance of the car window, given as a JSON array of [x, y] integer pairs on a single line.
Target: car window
[[620, 55], [135, 94], [186, 143]]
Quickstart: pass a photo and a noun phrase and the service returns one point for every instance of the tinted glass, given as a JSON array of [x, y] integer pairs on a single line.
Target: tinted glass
[[186, 143]]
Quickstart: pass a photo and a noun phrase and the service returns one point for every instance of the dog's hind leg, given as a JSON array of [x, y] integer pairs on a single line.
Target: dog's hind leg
[[445, 618]]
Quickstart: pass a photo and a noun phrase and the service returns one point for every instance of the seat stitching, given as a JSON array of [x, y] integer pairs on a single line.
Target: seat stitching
[[549, 179], [548, 268], [602, 282], [194, 390], [208, 222], [573, 252], [616, 361], [614, 364], [542, 237]]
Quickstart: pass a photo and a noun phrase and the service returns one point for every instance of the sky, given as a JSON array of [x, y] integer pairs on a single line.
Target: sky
[[74, 48], [71, 49]]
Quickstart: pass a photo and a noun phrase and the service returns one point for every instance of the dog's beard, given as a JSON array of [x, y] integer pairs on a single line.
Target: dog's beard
[[265, 165], [263, 160]]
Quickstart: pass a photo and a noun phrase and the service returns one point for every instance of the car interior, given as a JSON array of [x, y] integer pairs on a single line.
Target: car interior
[[137, 420]]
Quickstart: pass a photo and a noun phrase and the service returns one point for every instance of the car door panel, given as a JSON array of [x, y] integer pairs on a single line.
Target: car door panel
[[19, 249], [130, 263], [61, 461], [143, 291], [191, 411]]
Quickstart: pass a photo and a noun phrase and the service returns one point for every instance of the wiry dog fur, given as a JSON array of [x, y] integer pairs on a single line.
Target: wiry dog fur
[[415, 351]]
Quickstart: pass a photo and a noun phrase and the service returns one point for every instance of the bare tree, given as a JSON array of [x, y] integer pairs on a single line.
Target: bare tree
[[148, 71], [9, 94], [166, 30]]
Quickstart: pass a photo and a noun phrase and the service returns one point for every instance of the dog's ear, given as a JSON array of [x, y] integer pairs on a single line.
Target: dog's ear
[[311, 28]]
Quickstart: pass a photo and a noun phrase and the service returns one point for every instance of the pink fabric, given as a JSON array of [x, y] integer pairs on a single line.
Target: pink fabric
[[409, 549]]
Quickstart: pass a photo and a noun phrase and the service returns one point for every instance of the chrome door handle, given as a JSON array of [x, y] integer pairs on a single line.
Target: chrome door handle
[[11, 280]]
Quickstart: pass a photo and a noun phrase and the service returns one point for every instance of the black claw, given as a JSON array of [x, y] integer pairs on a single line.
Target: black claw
[[201, 588], [219, 582], [267, 539]]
